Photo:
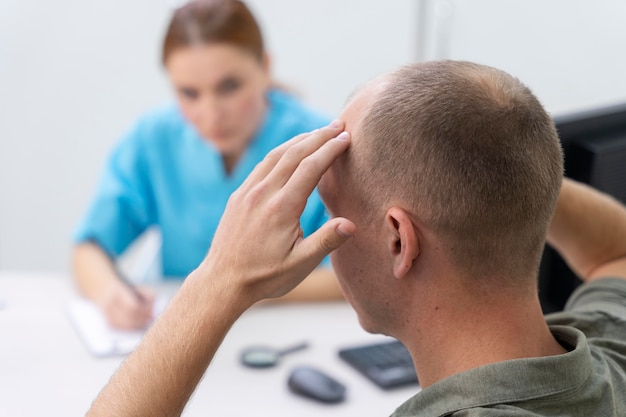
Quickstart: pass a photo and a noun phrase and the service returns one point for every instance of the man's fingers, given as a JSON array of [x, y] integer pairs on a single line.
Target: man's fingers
[[286, 165], [272, 158], [296, 153], [325, 240], [310, 170]]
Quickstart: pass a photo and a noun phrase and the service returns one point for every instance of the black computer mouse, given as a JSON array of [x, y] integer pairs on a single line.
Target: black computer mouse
[[315, 384]]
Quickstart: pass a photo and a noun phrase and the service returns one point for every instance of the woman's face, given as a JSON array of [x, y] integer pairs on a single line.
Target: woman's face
[[221, 90]]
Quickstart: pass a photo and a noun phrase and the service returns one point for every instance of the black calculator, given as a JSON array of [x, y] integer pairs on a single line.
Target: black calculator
[[387, 364]]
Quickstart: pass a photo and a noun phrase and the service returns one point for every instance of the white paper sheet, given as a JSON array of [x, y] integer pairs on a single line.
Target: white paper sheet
[[98, 336]]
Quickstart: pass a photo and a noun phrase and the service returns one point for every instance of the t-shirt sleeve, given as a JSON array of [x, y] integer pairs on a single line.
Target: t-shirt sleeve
[[121, 209], [597, 308], [607, 294]]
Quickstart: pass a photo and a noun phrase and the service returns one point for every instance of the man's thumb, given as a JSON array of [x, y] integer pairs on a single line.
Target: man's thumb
[[334, 234]]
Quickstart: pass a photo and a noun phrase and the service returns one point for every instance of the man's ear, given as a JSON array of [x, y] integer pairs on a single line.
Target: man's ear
[[402, 240]]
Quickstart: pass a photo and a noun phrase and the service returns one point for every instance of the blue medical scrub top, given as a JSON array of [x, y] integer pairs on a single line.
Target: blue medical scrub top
[[164, 174]]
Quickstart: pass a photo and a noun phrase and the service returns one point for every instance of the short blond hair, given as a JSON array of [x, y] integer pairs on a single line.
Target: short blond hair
[[473, 153]]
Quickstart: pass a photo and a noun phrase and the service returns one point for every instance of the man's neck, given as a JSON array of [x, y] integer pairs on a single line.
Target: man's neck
[[458, 331]]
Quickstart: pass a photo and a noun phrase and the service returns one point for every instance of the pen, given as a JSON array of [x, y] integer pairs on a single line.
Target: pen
[[123, 279], [128, 284]]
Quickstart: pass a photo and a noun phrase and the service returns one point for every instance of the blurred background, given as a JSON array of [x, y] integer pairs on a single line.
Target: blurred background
[[75, 74]]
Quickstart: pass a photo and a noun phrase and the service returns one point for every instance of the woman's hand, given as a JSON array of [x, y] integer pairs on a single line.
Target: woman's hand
[[124, 309]]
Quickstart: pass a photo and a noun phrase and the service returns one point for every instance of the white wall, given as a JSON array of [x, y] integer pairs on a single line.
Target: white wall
[[74, 74], [570, 52], [326, 48]]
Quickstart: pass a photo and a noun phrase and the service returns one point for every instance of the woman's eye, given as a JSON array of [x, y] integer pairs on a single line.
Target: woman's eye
[[228, 86], [188, 93]]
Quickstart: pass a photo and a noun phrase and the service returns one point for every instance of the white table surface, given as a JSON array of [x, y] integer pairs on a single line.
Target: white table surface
[[46, 371]]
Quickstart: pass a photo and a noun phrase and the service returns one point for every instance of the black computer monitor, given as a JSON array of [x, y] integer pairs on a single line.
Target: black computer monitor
[[594, 146]]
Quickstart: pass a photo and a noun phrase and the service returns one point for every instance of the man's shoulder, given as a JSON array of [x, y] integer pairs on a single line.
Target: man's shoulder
[[598, 308], [546, 386]]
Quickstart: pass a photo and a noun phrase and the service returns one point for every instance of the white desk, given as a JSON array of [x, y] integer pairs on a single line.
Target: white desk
[[46, 371]]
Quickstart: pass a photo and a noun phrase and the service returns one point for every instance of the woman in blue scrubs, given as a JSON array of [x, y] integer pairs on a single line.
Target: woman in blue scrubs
[[176, 168]]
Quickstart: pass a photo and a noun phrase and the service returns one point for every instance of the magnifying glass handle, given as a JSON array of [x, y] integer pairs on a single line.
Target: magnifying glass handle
[[295, 348]]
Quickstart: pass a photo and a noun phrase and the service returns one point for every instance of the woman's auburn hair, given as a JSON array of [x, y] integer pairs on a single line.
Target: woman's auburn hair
[[213, 21]]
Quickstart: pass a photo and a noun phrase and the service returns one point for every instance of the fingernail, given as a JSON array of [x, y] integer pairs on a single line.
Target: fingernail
[[343, 136], [335, 124], [345, 230]]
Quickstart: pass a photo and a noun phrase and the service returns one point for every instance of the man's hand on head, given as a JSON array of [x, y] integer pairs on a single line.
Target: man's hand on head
[[258, 249], [258, 252]]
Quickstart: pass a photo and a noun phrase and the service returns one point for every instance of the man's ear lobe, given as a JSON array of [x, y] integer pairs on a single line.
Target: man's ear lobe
[[402, 241]]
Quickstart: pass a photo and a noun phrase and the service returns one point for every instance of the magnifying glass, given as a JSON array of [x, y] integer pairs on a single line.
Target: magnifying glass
[[265, 357]]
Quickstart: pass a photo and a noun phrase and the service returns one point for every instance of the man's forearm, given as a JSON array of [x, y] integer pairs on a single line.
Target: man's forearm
[[160, 376], [589, 231]]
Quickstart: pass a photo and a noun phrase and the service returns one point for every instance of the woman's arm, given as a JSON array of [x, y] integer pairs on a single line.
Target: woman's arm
[[320, 285]]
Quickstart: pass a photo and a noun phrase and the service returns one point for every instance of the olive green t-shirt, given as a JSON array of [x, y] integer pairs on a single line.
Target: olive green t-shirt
[[587, 381]]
